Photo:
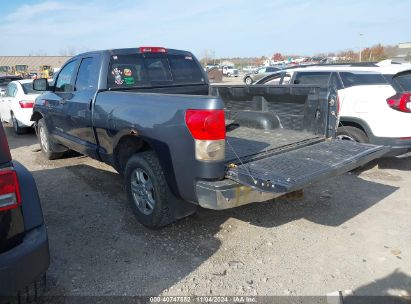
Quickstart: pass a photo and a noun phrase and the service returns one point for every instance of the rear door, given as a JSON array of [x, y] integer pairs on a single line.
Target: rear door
[[5, 102], [296, 168]]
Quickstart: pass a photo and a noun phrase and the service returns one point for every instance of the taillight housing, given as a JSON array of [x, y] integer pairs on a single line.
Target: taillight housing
[[208, 130], [26, 104], [400, 102], [9, 190], [152, 49]]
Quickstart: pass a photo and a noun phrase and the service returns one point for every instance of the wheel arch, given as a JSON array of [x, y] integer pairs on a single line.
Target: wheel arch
[[130, 144], [357, 123]]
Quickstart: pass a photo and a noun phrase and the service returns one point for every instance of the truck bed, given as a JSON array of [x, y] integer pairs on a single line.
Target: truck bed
[[246, 144]]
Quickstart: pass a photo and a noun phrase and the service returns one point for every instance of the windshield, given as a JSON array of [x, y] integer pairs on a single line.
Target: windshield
[[21, 68], [136, 70]]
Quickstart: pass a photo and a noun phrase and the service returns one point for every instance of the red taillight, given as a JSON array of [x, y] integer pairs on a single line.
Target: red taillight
[[400, 102], [26, 104], [206, 124], [152, 49], [9, 190]]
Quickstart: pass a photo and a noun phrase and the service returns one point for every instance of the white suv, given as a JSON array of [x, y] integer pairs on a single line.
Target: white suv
[[374, 100]]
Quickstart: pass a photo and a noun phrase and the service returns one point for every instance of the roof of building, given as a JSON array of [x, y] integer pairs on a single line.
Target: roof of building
[[33, 62]]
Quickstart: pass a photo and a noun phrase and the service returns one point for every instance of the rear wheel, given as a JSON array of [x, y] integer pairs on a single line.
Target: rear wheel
[[45, 143], [147, 190], [248, 81], [352, 133], [17, 129]]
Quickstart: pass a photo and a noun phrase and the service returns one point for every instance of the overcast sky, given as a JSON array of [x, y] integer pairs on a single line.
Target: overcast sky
[[229, 27]]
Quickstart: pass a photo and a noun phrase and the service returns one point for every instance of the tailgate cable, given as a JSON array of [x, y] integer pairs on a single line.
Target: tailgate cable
[[244, 165]]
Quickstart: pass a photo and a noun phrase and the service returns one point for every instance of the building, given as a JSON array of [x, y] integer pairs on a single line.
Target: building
[[404, 52], [33, 62]]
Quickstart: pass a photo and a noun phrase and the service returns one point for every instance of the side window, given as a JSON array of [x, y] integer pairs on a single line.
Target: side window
[[87, 76], [65, 78], [11, 90], [355, 79], [312, 78], [270, 70], [274, 80]]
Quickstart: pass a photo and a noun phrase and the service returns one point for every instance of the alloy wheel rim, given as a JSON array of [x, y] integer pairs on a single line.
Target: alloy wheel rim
[[345, 137], [142, 190]]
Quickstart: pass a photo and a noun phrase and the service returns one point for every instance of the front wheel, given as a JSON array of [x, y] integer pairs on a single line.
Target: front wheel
[[44, 141], [147, 190]]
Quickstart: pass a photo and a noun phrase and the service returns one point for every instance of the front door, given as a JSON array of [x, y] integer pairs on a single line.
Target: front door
[[78, 124]]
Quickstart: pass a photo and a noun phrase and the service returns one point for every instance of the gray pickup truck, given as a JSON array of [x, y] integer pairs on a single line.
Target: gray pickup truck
[[150, 113]]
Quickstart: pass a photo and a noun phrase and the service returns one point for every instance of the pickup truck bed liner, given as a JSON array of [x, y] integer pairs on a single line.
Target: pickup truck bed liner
[[248, 143]]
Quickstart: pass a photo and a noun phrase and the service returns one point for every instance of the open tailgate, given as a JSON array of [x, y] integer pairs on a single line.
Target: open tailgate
[[293, 170]]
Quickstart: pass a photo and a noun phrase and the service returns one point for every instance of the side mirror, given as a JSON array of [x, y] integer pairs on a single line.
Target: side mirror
[[41, 85]]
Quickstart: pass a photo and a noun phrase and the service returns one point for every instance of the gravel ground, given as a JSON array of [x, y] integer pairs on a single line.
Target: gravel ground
[[352, 233]]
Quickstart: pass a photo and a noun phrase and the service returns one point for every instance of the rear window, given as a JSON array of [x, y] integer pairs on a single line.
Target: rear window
[[135, 70], [356, 79], [28, 88], [312, 78], [404, 81]]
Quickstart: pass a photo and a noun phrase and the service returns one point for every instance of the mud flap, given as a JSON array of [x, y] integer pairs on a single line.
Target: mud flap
[[293, 170]]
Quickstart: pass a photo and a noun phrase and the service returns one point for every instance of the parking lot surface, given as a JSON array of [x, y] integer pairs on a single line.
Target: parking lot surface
[[351, 233]]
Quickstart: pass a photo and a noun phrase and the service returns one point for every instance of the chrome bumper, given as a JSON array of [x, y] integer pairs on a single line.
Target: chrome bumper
[[227, 194]]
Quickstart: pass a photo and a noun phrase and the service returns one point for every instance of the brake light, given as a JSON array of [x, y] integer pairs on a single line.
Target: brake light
[[206, 124], [9, 190], [152, 49], [208, 130], [26, 104], [400, 102]]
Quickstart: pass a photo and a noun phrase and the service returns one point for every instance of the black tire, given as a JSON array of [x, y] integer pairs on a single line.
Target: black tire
[[45, 143], [148, 164], [16, 128], [248, 81], [352, 133]]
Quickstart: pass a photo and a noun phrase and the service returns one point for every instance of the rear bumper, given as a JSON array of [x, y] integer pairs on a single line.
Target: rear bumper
[[227, 194], [24, 263], [397, 146]]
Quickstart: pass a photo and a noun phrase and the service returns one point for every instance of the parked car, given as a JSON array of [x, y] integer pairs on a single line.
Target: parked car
[[230, 71], [16, 106], [146, 112], [24, 249], [375, 102], [259, 73], [5, 80]]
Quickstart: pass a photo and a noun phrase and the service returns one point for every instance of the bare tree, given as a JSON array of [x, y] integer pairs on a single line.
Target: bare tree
[[68, 51]]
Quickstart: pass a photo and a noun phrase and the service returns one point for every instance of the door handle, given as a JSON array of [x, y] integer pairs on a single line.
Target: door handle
[[62, 101]]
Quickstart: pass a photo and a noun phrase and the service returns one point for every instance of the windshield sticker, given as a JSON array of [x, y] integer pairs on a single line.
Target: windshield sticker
[[115, 57], [189, 58], [127, 72], [117, 76], [128, 80]]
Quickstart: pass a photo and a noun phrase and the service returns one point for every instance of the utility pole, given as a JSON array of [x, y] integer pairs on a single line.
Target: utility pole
[[361, 35]]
